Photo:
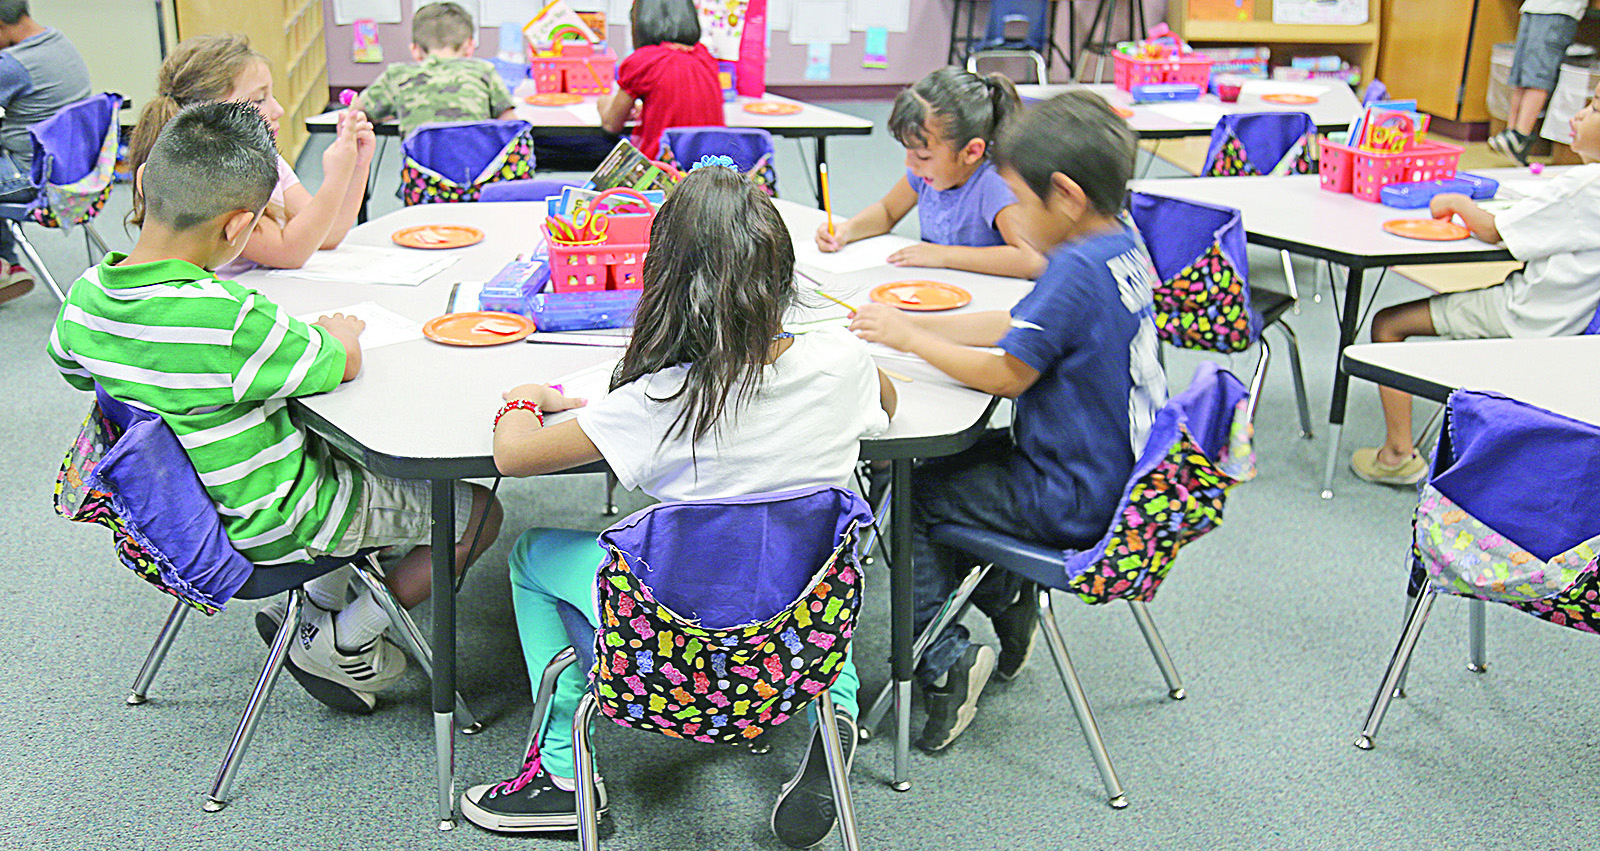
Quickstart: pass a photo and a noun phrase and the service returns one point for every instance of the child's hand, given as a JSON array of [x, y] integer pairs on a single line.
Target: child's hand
[[830, 242], [549, 398], [1445, 205], [880, 323], [342, 152], [366, 135], [924, 254], [342, 326]]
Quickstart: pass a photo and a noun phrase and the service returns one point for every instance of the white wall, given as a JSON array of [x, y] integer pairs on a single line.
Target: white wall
[[117, 38]]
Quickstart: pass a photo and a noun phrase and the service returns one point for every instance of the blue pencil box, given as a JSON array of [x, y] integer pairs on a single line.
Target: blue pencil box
[[1410, 196], [514, 285], [583, 311], [1148, 92]]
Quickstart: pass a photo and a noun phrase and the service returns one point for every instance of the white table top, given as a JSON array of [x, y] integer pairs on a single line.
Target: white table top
[[1558, 374], [1295, 213], [811, 120], [421, 409], [1336, 106]]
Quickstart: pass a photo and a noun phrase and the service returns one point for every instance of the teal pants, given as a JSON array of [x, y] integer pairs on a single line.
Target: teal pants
[[549, 566]]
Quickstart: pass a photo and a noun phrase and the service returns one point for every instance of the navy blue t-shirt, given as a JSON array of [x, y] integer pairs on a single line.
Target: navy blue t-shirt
[[1087, 328]]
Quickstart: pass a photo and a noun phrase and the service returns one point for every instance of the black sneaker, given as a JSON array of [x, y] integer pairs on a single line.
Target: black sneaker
[[804, 812], [527, 803], [335, 695], [952, 705], [1512, 145], [1016, 628]]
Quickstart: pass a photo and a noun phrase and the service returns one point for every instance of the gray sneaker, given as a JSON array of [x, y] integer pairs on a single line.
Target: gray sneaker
[[1512, 145], [340, 697], [952, 705], [804, 812]]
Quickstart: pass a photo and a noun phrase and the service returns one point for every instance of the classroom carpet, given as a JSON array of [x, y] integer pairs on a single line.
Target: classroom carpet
[[1280, 623]]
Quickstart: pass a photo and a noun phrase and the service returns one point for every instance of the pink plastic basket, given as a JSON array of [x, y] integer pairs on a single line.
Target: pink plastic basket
[[589, 268], [1130, 71], [1364, 174]]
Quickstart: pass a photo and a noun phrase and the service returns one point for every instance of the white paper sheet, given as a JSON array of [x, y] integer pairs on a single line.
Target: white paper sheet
[[384, 326], [346, 12], [1186, 112], [1514, 189], [363, 264], [826, 21], [1283, 87], [778, 15], [591, 384], [864, 254], [588, 112], [892, 15], [1327, 12]]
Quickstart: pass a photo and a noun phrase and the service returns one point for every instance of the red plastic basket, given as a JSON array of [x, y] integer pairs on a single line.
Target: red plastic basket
[[1130, 71], [1364, 174]]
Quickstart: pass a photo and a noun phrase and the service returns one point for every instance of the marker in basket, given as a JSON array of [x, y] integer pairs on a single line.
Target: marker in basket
[[827, 202]]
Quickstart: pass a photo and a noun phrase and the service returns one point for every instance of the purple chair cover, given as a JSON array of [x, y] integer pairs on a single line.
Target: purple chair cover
[[1594, 323], [523, 190], [158, 495], [750, 148], [460, 151], [767, 548], [66, 146], [1266, 136], [1177, 233]]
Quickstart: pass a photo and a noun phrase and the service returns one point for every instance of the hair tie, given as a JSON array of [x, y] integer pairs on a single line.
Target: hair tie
[[715, 159]]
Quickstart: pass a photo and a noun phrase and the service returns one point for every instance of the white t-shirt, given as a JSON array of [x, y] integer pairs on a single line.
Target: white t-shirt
[[1557, 233], [238, 265], [803, 427], [1571, 8]]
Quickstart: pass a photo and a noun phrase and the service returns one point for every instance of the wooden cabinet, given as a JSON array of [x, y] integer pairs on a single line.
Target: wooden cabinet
[[289, 34], [1357, 43], [1437, 51]]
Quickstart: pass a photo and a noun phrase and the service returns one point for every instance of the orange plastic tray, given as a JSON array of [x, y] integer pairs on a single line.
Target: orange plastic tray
[[921, 295], [437, 236], [767, 107], [1430, 229], [477, 328]]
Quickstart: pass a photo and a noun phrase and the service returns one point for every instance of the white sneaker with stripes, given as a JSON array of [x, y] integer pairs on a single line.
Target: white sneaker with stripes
[[372, 668]]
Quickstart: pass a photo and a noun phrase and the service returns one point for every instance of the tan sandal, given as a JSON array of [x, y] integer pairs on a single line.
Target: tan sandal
[[1365, 464]]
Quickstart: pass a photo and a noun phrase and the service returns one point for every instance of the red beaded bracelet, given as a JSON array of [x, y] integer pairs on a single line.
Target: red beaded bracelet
[[520, 404]]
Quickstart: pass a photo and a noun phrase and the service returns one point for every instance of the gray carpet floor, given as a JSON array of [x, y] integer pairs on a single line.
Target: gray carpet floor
[[1280, 622]]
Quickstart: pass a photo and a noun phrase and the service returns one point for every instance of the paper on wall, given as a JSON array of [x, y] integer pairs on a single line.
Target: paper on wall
[[722, 27], [819, 60], [813, 21], [876, 52], [779, 15], [346, 12], [1337, 12], [384, 326], [892, 15], [519, 12]]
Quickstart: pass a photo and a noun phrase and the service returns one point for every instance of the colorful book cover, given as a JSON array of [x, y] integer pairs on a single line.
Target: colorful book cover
[[627, 166], [365, 47]]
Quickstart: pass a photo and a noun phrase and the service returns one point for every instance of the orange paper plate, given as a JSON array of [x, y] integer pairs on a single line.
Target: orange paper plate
[[437, 236], [554, 99], [768, 107], [1125, 113], [477, 328], [1290, 99], [1434, 229], [921, 295]]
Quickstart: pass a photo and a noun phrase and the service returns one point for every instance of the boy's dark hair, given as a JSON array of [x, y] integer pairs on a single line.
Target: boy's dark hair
[[441, 25], [1078, 135], [211, 159], [12, 11], [717, 281], [664, 22], [959, 105]]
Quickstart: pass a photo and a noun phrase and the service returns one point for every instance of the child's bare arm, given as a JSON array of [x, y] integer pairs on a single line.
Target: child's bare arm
[[310, 217], [356, 190], [940, 344], [615, 109], [1477, 219], [507, 115], [523, 447], [878, 218], [347, 330], [1015, 259], [887, 397]]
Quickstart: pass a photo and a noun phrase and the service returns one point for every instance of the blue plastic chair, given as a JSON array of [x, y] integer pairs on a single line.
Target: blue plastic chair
[[750, 148], [74, 156], [1016, 29], [719, 563], [1204, 299], [167, 530], [1198, 448], [451, 161]]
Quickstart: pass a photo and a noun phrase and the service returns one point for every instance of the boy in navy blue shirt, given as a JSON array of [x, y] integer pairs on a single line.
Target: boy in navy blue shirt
[[1079, 356]]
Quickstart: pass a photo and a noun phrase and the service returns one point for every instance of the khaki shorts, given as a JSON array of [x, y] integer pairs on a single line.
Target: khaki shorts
[[1470, 315], [398, 513]]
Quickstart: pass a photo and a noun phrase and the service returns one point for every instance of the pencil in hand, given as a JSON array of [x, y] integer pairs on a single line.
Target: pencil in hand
[[827, 201], [839, 301]]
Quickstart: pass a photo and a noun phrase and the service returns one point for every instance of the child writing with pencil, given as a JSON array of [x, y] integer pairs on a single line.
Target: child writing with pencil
[[670, 75], [711, 399], [970, 219], [1079, 356], [297, 223]]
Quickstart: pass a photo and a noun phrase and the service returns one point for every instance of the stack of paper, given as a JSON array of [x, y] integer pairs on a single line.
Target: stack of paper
[[864, 254], [364, 264], [384, 326]]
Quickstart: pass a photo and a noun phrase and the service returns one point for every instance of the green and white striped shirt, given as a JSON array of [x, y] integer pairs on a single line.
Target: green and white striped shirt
[[217, 361]]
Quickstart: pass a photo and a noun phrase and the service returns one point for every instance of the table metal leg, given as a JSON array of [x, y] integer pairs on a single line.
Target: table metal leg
[[1349, 326], [444, 647], [816, 171], [901, 601]]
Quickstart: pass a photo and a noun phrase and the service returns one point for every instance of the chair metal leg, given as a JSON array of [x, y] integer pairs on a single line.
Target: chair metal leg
[[611, 494], [583, 759], [954, 607], [92, 235], [1158, 648], [838, 771], [158, 653], [1299, 379], [411, 636], [223, 784], [1288, 277], [1397, 664], [547, 688], [34, 259], [1080, 703], [1477, 658], [1258, 379]]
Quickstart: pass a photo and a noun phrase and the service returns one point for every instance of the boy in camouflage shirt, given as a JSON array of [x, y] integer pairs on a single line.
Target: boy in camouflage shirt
[[447, 84]]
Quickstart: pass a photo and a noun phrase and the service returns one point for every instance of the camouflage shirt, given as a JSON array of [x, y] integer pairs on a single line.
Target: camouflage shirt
[[437, 89]]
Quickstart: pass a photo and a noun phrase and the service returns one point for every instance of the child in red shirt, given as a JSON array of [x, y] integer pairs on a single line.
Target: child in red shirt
[[670, 74]]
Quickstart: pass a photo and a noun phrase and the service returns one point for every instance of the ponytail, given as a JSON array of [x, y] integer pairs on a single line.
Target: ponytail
[[956, 105], [155, 115], [1004, 104]]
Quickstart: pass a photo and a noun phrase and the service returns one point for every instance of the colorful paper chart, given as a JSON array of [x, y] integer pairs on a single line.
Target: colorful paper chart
[[554, 99], [1431, 229], [437, 236], [767, 107], [1289, 99], [477, 328], [921, 295]]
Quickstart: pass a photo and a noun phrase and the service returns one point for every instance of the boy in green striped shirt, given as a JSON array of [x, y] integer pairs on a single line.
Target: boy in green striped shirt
[[218, 362]]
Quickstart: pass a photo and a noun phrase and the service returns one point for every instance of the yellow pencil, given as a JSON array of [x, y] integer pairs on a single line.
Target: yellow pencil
[[827, 203], [839, 301], [895, 375]]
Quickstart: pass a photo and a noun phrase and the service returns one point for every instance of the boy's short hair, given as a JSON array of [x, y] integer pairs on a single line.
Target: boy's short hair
[[12, 11], [1078, 135], [441, 25], [210, 159]]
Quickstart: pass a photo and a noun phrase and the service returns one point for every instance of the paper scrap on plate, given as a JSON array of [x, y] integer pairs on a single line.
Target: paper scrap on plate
[[864, 254], [384, 326], [365, 264]]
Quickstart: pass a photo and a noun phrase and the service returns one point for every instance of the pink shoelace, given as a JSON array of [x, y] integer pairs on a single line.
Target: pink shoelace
[[530, 770]]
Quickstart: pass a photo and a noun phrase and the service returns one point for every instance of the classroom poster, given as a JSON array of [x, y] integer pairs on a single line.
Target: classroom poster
[[779, 14], [876, 53], [722, 27], [819, 60], [891, 15], [346, 12], [365, 47], [820, 21]]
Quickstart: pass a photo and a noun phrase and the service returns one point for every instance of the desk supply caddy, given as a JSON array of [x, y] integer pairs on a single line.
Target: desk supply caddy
[[564, 55], [1386, 146], [1162, 58]]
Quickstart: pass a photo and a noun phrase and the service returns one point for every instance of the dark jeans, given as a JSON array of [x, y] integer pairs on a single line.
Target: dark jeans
[[15, 188], [972, 489]]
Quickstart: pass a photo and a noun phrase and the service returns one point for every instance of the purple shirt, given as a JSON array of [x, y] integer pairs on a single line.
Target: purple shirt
[[963, 215]]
